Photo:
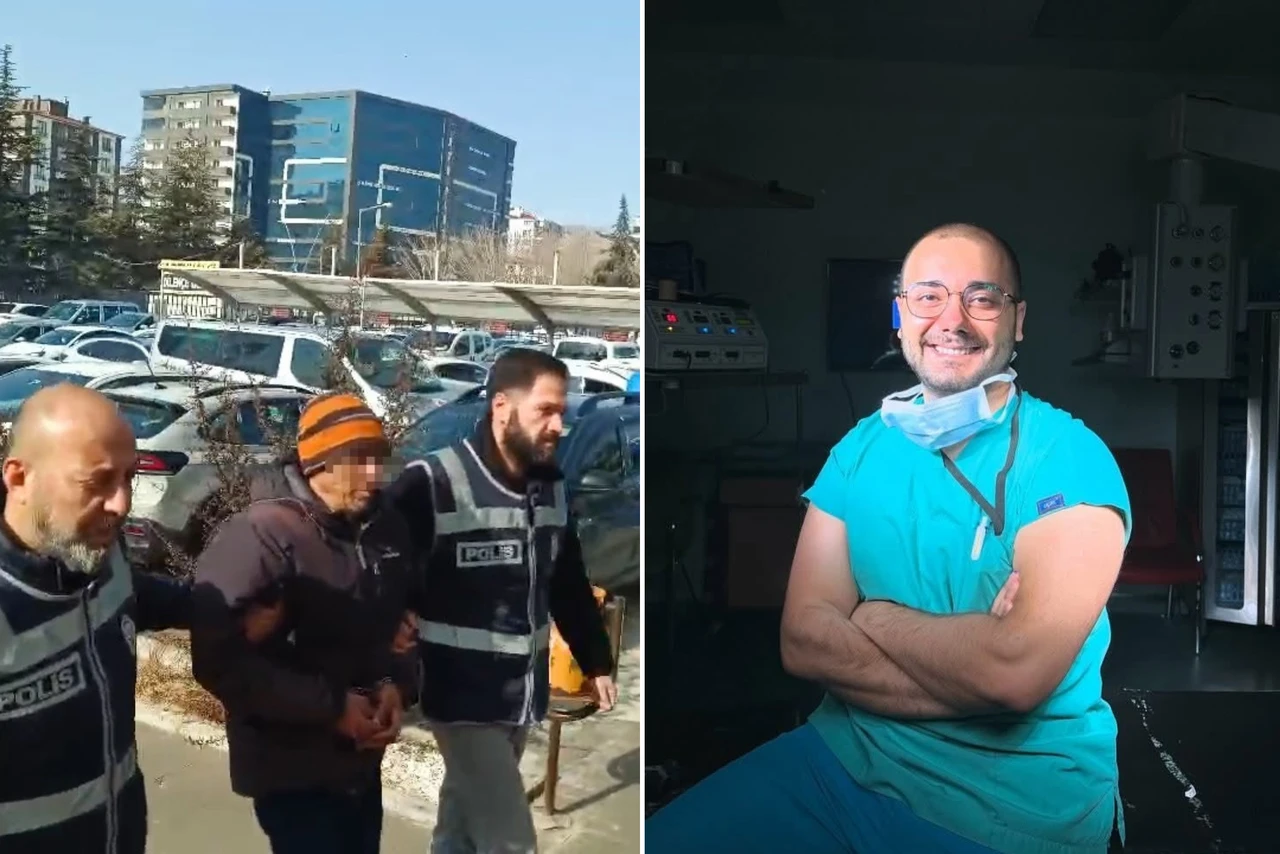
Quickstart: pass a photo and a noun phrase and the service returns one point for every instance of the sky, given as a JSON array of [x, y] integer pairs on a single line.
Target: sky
[[561, 78]]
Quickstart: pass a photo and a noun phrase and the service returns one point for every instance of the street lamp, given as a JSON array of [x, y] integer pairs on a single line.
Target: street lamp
[[360, 249]]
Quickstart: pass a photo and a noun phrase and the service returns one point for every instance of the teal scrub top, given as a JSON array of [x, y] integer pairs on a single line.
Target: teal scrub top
[[1040, 783]]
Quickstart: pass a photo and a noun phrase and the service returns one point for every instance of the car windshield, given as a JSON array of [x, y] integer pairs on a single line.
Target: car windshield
[[582, 351], [424, 339], [58, 337], [11, 330], [64, 310], [626, 351], [128, 320], [387, 364], [17, 386], [148, 417]]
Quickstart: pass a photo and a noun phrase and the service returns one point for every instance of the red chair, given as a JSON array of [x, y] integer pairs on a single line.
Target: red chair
[[1165, 546]]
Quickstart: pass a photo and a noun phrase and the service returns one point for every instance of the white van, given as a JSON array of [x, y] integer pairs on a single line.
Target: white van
[[610, 354], [87, 312], [302, 357]]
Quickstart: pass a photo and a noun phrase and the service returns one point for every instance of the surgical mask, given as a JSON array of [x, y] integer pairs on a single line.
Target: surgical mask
[[941, 423]]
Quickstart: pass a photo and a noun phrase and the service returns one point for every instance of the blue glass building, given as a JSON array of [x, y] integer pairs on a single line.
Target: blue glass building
[[335, 154], [300, 168]]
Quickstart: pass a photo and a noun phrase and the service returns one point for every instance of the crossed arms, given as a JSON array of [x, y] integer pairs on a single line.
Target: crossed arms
[[897, 662]]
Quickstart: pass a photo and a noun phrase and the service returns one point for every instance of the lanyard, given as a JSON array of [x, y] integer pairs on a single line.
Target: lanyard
[[994, 514]]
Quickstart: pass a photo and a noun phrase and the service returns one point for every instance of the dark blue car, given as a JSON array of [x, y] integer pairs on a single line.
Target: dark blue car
[[600, 457]]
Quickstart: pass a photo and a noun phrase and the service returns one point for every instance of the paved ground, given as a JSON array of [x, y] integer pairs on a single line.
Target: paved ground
[[598, 803]]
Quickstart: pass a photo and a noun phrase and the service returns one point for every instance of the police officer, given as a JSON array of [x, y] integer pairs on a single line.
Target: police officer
[[70, 610], [503, 560]]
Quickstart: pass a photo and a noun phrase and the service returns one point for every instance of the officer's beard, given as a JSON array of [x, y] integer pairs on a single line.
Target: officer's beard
[[526, 449], [65, 548]]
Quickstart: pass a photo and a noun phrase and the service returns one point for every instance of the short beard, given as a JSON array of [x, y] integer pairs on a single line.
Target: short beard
[[1000, 359], [520, 445], [71, 553]]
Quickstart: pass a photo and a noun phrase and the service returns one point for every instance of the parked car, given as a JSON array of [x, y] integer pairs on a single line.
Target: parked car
[[57, 343], [83, 312], [22, 309], [502, 345], [600, 457], [461, 370], [108, 349], [177, 421], [300, 357], [596, 377], [25, 329], [620, 354], [18, 385], [131, 321]]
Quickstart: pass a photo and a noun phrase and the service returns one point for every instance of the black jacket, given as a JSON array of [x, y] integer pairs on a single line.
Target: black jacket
[[344, 583], [67, 674], [503, 560]]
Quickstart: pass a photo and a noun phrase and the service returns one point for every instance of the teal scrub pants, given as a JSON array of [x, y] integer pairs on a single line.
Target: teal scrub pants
[[793, 794]]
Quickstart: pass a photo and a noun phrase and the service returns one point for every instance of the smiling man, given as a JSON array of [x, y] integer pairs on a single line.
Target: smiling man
[[948, 591]]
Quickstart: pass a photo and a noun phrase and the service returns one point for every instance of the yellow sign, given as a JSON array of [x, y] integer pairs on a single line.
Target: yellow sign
[[190, 265]]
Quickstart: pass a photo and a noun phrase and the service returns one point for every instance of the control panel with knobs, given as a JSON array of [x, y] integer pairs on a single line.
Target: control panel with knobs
[[1193, 292]]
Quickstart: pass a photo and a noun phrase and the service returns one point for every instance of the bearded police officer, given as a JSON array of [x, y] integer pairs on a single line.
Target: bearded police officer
[[70, 610], [504, 559]]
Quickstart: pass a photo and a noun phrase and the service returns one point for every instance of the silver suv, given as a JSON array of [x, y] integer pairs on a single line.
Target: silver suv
[[186, 429]]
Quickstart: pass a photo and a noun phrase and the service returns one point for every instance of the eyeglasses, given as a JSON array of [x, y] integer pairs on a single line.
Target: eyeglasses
[[980, 301]]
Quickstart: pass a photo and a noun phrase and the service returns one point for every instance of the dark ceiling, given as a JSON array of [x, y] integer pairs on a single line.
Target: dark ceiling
[[1219, 36]]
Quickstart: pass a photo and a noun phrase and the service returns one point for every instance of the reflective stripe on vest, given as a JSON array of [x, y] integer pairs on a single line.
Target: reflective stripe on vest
[[482, 640], [49, 810], [20, 651], [469, 517]]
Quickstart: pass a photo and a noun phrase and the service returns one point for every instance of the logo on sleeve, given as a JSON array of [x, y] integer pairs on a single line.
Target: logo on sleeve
[[48, 686], [1048, 505]]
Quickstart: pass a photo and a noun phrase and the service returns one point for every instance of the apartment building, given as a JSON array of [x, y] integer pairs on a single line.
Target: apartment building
[[525, 228], [233, 122], [50, 122]]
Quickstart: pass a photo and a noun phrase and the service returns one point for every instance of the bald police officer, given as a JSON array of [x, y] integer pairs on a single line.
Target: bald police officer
[[70, 610]]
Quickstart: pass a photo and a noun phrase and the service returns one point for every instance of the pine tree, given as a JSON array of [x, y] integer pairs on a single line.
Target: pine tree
[[19, 150], [621, 266], [69, 244], [182, 219], [126, 252]]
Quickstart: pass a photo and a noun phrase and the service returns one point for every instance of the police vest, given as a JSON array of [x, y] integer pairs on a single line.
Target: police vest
[[67, 672], [485, 625]]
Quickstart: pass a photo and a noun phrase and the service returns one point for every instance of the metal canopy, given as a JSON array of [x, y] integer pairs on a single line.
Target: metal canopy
[[548, 305]]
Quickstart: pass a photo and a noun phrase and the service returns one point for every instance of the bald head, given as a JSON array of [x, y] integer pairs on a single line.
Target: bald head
[[930, 243], [69, 475], [65, 415]]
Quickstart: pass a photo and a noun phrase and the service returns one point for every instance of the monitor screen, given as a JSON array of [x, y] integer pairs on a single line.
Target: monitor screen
[[862, 317]]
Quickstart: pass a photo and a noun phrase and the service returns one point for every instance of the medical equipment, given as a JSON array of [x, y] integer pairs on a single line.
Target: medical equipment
[[702, 336]]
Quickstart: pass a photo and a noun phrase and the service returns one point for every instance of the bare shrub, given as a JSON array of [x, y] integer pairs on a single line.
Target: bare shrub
[[234, 462]]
